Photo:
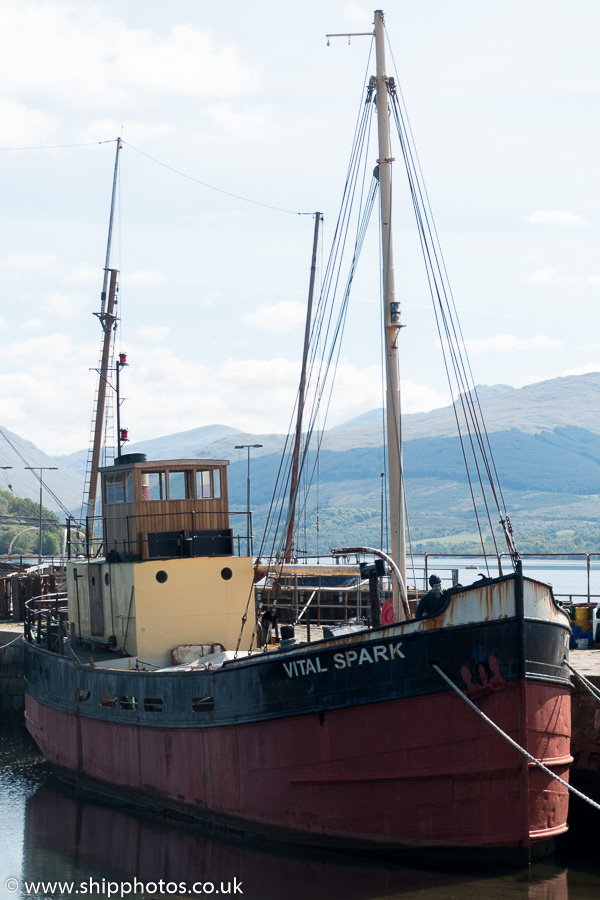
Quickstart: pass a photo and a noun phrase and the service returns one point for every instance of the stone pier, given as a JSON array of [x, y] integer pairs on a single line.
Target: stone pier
[[12, 685]]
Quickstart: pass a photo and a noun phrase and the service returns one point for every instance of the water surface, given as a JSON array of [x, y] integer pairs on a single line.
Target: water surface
[[50, 834]]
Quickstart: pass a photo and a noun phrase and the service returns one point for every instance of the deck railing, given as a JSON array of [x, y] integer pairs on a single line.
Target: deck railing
[[47, 622]]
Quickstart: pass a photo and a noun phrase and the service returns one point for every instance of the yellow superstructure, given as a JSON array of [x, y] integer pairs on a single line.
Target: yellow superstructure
[[164, 580]]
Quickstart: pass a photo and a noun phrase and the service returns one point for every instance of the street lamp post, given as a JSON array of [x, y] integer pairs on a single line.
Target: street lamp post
[[248, 447], [41, 469]]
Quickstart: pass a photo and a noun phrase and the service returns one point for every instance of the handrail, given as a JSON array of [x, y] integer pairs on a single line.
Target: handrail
[[532, 556], [47, 626], [132, 525]]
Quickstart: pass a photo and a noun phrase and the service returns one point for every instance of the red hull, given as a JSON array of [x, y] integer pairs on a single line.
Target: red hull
[[426, 765]]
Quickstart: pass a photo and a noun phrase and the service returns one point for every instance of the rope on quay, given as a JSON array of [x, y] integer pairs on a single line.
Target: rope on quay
[[18, 638], [507, 737], [585, 682]]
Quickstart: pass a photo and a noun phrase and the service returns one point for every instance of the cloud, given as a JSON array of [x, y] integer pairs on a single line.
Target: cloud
[[281, 317], [510, 343], [83, 273], [67, 305], [84, 57], [168, 394], [247, 124], [46, 404], [135, 133], [359, 16], [23, 125], [551, 277], [153, 333], [52, 406], [28, 261], [143, 278], [583, 370], [31, 324], [561, 217], [541, 276]]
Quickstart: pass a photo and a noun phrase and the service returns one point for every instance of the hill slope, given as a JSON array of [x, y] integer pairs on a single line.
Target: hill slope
[[545, 438]]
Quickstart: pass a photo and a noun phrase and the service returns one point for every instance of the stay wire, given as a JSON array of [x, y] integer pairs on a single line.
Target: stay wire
[[430, 249], [434, 290], [323, 331], [476, 412], [212, 187], [45, 485], [63, 146], [326, 327], [445, 271]]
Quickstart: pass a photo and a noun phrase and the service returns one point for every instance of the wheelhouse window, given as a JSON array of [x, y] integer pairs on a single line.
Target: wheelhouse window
[[208, 484], [154, 486], [180, 485], [119, 487]]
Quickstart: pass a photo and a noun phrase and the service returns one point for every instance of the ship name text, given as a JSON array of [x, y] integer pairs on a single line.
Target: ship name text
[[345, 660]]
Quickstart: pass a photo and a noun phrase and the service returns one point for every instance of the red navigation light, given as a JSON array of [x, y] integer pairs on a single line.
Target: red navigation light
[[124, 434], [122, 359]]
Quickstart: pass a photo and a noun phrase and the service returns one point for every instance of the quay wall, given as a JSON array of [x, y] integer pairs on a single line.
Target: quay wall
[[12, 684], [585, 724]]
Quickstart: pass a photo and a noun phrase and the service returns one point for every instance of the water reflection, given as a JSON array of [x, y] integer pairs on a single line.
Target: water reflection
[[71, 839], [50, 834]]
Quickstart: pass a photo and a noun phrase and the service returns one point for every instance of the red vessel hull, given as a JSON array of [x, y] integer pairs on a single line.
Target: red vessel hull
[[426, 765]]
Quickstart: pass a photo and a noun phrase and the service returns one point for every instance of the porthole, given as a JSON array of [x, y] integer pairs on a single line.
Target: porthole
[[161, 576], [226, 573], [129, 703], [81, 695], [153, 704], [106, 579], [203, 704]]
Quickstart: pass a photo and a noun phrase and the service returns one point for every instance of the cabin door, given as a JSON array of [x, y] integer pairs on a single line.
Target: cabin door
[[96, 606]]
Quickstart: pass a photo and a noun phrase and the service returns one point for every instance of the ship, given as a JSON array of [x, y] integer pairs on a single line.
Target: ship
[[157, 682]]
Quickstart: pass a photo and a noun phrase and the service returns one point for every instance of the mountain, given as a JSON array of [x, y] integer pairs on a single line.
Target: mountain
[[182, 445], [62, 489], [545, 438]]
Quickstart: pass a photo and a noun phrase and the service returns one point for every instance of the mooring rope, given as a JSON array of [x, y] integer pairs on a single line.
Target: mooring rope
[[511, 741], [587, 684], [18, 637]]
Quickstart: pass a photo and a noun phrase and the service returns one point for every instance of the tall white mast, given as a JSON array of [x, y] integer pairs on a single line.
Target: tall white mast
[[391, 311]]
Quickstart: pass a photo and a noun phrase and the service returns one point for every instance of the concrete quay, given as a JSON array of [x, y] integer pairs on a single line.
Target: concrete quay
[[585, 723]]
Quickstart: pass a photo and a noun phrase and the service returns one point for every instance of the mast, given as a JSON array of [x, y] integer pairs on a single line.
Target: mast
[[107, 319], [391, 310], [301, 394]]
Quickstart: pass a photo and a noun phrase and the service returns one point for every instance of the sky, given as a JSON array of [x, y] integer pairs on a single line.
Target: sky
[[235, 118]]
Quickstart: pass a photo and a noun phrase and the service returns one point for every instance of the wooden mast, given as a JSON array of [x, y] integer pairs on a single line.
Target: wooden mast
[[107, 319], [301, 396], [391, 310]]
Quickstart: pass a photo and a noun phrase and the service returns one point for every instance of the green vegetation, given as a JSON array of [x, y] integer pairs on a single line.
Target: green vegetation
[[16, 515], [550, 483]]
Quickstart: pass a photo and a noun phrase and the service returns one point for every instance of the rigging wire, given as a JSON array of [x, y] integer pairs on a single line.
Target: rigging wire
[[327, 323], [455, 356], [63, 146], [450, 292], [212, 187], [326, 330], [46, 487]]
